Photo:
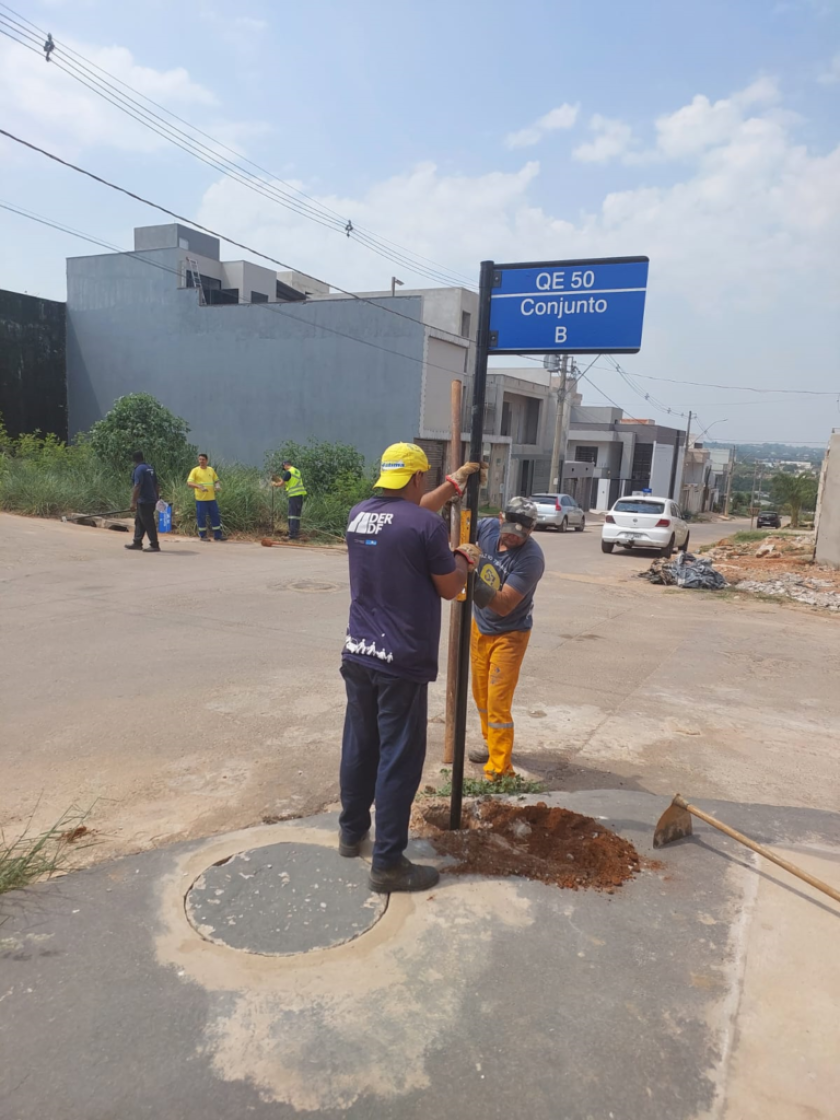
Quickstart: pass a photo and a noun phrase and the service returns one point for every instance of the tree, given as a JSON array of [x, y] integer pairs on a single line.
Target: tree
[[793, 493], [139, 422]]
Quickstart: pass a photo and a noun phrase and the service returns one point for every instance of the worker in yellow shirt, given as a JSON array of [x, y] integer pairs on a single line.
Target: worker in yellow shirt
[[204, 481]]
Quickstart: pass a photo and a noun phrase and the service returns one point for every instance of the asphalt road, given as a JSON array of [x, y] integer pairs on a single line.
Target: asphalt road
[[187, 694], [184, 694], [580, 553]]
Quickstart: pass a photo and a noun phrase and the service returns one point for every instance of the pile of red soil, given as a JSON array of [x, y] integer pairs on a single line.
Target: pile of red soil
[[551, 845]]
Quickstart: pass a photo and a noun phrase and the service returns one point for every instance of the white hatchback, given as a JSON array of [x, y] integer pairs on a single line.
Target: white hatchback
[[644, 521]]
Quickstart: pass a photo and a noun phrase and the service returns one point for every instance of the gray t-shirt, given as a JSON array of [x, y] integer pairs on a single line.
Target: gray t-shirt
[[520, 567]]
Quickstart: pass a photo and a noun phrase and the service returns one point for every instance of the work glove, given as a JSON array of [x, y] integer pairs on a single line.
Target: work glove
[[470, 552], [483, 594], [459, 478]]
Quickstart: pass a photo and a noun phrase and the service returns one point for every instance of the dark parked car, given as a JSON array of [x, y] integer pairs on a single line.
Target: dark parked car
[[768, 519]]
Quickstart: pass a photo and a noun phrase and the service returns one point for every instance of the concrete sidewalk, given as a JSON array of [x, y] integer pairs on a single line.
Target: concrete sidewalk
[[707, 986]]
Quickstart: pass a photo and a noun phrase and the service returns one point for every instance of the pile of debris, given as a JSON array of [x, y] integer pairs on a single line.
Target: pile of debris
[[804, 589], [780, 565], [684, 570], [552, 845]]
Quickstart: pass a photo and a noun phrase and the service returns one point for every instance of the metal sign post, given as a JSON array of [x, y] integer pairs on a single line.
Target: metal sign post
[[485, 289], [571, 307]]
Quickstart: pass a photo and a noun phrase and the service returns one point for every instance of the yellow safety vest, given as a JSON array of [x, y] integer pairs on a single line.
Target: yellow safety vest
[[295, 487]]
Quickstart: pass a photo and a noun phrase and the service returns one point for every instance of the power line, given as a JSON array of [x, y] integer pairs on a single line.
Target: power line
[[273, 307], [318, 212], [744, 388], [206, 229], [303, 204], [662, 407], [40, 219], [91, 239], [340, 222]]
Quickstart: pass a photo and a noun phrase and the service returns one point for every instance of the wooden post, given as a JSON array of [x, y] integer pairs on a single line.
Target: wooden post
[[455, 611]]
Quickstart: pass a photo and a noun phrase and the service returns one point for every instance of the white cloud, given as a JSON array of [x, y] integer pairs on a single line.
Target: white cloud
[[831, 76], [755, 204], [703, 123], [49, 105], [612, 138], [743, 244], [564, 116]]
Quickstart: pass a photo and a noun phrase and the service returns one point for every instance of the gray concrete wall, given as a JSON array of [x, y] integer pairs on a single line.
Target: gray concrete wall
[[245, 377], [828, 507], [661, 469], [174, 235]]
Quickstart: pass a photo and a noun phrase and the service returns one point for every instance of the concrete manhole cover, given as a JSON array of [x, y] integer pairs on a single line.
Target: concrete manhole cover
[[284, 899]]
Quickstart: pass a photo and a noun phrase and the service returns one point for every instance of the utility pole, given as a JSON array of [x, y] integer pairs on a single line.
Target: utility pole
[[683, 485], [756, 491], [728, 496], [558, 451], [455, 610], [482, 348]]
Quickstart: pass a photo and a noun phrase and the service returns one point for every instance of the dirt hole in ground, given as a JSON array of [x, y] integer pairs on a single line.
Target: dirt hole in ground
[[552, 845]]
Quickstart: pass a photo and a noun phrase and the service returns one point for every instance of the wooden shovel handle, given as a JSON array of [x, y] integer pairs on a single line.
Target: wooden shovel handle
[[739, 836]]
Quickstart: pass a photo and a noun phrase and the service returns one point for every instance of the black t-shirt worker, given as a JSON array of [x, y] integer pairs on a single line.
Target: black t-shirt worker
[[401, 566], [144, 496]]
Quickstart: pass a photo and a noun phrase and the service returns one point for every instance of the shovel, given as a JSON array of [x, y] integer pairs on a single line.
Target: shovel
[[675, 823]]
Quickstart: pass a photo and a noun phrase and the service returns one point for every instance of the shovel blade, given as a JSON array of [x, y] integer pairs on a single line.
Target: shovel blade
[[674, 824]]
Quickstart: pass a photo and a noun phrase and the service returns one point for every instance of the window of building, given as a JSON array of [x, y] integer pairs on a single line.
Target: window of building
[[532, 420], [208, 283], [505, 419], [587, 455], [466, 320], [642, 462], [258, 297], [223, 295]]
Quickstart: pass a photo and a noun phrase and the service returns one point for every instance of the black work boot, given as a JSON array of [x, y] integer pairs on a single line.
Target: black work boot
[[135, 546], [479, 755], [152, 548], [348, 847], [403, 876]]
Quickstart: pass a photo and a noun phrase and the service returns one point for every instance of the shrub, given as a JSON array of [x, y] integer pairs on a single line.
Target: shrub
[[139, 422], [324, 466]]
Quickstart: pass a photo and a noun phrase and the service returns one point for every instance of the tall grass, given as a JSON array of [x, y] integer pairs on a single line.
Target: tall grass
[[46, 478], [32, 856]]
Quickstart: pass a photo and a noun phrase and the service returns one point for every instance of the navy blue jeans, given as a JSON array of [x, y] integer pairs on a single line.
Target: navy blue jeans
[[382, 755], [208, 511], [295, 510]]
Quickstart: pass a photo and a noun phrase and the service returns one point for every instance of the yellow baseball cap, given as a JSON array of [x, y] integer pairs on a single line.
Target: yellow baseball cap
[[399, 462]]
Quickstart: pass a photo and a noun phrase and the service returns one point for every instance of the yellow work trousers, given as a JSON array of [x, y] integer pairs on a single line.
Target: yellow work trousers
[[496, 661]]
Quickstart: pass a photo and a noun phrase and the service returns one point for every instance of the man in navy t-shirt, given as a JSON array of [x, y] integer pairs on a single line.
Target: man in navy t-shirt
[[401, 566], [144, 496]]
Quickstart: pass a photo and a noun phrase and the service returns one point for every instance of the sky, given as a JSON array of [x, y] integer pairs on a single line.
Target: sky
[[706, 137]]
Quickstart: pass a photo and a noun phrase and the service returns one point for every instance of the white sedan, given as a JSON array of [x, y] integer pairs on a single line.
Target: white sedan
[[643, 521]]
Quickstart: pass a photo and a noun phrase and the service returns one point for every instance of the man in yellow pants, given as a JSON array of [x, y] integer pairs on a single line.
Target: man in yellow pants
[[511, 566]]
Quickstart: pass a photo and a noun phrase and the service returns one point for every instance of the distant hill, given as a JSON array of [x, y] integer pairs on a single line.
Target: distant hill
[[750, 452]]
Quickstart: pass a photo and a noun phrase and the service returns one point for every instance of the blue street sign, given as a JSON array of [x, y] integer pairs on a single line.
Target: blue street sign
[[580, 307]]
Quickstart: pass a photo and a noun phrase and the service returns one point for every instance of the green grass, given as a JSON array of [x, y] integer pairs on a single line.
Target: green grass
[[77, 482], [479, 787], [748, 536], [33, 856]]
